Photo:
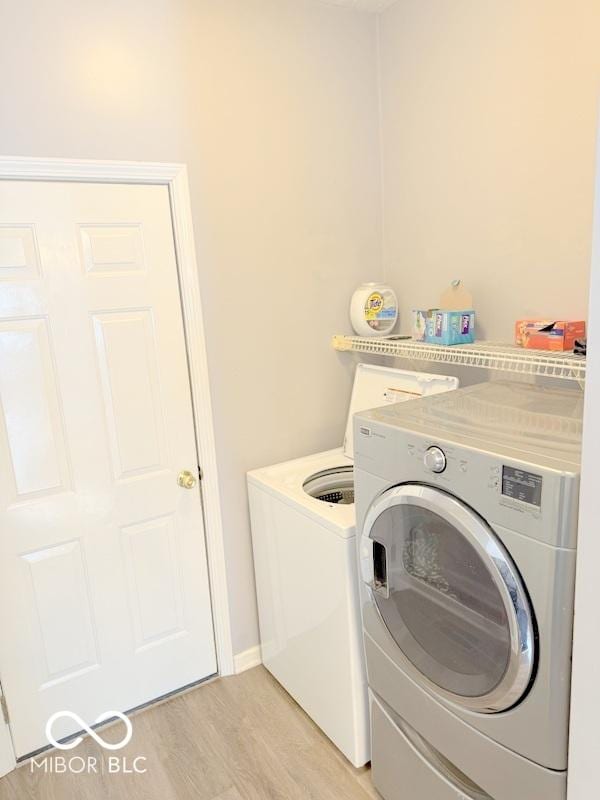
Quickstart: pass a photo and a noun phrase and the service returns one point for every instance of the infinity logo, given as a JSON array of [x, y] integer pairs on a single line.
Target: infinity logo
[[84, 726]]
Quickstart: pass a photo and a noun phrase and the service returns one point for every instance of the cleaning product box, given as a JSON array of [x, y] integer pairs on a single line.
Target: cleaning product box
[[442, 326], [419, 328], [548, 334]]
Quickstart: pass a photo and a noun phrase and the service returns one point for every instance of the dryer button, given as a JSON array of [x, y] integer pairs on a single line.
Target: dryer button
[[435, 459]]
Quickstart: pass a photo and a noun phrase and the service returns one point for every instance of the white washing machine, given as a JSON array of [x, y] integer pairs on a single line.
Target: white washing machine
[[467, 507], [303, 535]]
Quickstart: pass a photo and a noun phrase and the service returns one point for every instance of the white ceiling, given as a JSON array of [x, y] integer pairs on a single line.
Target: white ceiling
[[367, 5]]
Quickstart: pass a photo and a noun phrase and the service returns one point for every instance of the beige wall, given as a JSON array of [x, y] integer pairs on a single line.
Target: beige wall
[[286, 192], [488, 128], [272, 104]]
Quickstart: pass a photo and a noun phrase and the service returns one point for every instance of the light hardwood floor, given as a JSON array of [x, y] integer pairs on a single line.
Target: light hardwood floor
[[238, 738]]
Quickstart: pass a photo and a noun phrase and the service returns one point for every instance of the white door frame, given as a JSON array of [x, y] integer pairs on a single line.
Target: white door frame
[[174, 176]]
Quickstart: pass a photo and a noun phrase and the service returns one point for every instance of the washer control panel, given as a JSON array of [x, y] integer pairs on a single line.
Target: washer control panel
[[435, 459]]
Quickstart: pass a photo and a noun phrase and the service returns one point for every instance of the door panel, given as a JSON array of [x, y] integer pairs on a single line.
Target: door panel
[[154, 576], [18, 253], [112, 249], [104, 597], [62, 603], [36, 447], [131, 390]]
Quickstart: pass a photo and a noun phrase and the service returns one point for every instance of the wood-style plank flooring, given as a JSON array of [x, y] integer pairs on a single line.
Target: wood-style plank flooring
[[237, 738]]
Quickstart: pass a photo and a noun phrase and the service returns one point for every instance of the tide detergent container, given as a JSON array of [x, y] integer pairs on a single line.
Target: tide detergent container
[[374, 309]]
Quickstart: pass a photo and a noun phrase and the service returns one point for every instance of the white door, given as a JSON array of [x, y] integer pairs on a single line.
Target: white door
[[104, 595]]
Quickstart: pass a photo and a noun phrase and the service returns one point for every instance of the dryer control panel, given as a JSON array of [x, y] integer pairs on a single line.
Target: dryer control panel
[[537, 500]]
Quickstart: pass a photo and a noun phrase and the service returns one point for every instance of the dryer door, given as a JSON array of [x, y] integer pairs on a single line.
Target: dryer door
[[451, 597]]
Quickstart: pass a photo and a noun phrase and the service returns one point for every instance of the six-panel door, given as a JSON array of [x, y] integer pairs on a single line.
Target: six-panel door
[[104, 595]]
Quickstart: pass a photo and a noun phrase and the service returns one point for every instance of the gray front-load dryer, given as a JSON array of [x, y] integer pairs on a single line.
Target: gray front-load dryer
[[467, 507]]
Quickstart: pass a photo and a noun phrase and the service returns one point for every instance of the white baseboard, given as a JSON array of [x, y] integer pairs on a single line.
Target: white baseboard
[[248, 659]]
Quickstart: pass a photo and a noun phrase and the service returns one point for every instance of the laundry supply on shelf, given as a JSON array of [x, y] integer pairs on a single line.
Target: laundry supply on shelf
[[452, 323], [548, 334], [374, 309]]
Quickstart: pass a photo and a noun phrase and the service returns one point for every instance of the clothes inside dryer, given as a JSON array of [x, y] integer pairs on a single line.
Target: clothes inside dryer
[[444, 606]]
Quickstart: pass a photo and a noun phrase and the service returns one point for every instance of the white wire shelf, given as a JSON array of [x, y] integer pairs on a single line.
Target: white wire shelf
[[484, 355]]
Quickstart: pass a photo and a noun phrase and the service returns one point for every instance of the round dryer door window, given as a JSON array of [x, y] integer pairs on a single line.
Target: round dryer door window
[[451, 597]]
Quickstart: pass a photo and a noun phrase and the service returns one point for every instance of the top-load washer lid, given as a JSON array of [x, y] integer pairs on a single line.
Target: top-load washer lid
[[376, 386], [373, 386]]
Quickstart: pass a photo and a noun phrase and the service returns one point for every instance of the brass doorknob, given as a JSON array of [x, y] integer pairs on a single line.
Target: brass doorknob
[[186, 479]]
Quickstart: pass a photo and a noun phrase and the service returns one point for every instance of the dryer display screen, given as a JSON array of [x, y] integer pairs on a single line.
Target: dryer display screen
[[521, 485]]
